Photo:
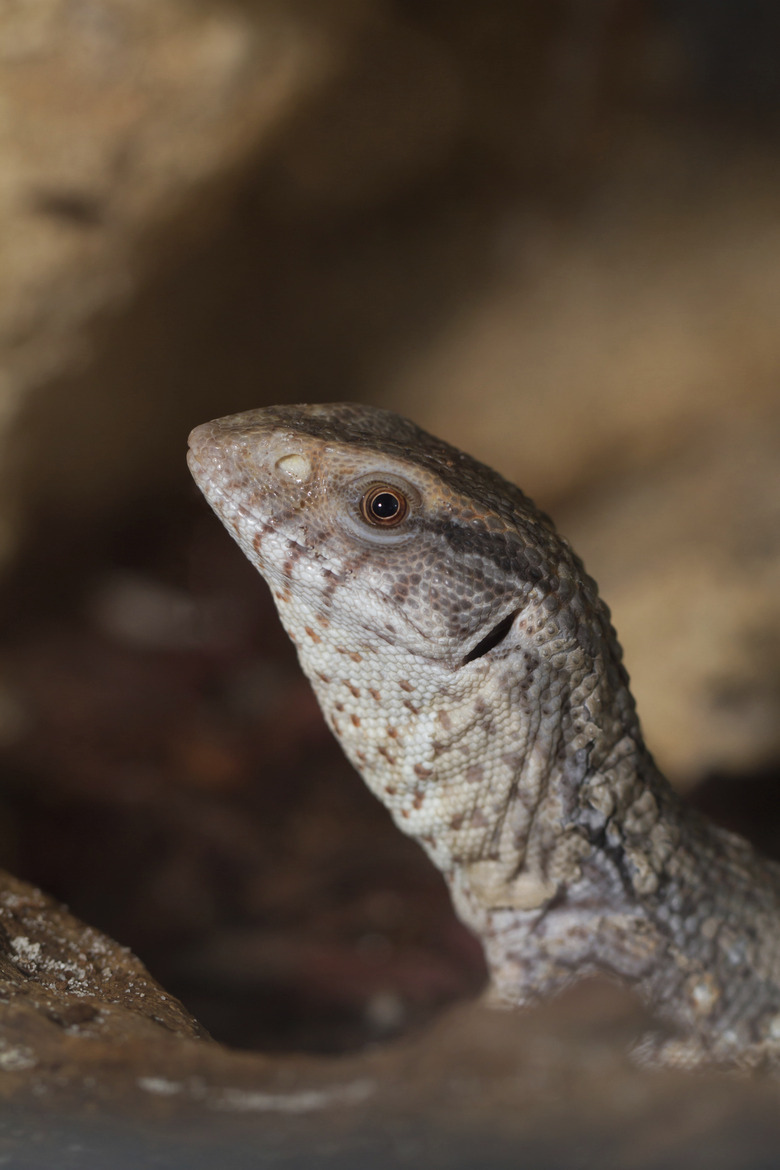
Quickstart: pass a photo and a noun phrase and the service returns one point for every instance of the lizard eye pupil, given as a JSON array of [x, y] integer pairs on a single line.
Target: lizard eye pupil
[[384, 506]]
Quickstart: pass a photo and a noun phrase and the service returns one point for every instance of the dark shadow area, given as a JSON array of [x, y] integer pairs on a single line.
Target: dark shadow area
[[176, 786], [747, 804]]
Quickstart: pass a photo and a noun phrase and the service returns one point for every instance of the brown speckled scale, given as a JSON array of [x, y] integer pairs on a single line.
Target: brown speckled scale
[[468, 667]]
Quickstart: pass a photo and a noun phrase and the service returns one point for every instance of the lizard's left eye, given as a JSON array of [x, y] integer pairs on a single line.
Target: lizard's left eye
[[384, 506]]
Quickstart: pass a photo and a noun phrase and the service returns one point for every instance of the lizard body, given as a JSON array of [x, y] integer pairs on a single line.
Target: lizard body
[[462, 656]]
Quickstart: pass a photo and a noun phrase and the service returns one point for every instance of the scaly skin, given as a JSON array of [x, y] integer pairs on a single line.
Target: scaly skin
[[464, 660]]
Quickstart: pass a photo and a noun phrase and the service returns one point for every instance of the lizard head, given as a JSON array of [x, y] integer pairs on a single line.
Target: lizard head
[[362, 522], [454, 641]]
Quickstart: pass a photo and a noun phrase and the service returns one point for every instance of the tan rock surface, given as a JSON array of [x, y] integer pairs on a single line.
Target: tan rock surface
[[98, 1062], [121, 127], [62, 978], [623, 367]]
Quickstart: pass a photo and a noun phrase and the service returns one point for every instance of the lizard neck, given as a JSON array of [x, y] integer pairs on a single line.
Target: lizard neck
[[506, 769], [564, 848]]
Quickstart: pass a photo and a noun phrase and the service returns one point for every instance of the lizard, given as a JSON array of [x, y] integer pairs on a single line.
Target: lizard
[[463, 658]]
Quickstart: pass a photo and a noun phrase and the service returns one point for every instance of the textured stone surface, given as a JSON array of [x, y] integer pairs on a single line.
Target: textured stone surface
[[623, 367], [121, 127], [67, 989], [549, 1089], [88, 1078]]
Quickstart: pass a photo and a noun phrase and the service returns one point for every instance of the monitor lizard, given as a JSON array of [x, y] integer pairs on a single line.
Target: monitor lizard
[[463, 658]]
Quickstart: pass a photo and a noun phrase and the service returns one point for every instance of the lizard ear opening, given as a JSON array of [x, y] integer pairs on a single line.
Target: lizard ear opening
[[491, 640]]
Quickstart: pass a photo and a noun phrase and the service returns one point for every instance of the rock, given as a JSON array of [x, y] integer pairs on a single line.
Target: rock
[[122, 127], [65, 986], [622, 367], [549, 1087]]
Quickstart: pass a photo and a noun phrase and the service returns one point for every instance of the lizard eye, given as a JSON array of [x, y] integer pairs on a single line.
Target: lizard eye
[[384, 506]]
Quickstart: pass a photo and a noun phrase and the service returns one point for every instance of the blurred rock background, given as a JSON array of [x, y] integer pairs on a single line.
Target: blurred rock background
[[550, 233]]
